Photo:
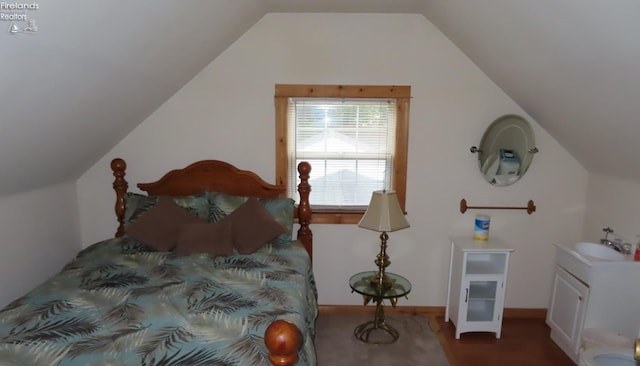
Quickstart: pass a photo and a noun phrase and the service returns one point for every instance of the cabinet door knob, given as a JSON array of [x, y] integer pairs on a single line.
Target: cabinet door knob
[[580, 298], [466, 296]]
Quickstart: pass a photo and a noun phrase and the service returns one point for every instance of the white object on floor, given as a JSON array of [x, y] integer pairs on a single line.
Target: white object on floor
[[593, 338], [607, 356], [603, 348]]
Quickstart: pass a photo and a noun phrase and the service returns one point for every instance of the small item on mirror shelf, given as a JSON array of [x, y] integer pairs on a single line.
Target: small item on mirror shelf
[[506, 150], [481, 228], [509, 162], [636, 256]]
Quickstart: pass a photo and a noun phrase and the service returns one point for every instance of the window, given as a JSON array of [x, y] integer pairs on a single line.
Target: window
[[355, 138]]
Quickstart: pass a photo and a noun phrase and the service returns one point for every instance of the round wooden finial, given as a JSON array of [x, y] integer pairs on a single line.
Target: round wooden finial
[[304, 168], [283, 340], [118, 165]]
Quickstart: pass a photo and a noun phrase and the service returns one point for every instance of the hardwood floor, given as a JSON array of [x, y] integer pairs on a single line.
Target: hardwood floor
[[524, 342]]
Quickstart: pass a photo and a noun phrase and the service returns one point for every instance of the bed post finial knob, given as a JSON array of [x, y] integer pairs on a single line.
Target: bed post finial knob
[[118, 165], [283, 340], [304, 168]]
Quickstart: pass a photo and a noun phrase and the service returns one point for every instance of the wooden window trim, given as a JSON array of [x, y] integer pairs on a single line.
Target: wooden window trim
[[402, 95]]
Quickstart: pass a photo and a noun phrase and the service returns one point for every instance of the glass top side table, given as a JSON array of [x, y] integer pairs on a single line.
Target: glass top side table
[[363, 284]]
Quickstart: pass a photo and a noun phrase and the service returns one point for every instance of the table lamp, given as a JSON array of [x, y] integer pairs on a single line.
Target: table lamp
[[383, 215]]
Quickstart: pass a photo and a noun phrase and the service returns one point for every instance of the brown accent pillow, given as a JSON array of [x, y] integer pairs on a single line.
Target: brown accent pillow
[[214, 238], [159, 226], [253, 226]]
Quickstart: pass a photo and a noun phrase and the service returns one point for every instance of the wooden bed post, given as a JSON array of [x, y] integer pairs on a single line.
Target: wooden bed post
[[120, 185], [283, 341], [304, 208]]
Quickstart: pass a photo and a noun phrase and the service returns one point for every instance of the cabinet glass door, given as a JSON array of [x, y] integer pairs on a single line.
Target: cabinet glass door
[[480, 299]]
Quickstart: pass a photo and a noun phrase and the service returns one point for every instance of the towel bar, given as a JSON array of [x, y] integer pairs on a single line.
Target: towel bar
[[531, 207]]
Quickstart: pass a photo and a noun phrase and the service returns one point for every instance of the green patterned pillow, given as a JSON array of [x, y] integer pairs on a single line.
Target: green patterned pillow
[[222, 204], [137, 204]]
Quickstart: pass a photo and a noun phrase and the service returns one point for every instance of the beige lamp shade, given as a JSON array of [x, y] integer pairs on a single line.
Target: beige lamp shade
[[384, 213]]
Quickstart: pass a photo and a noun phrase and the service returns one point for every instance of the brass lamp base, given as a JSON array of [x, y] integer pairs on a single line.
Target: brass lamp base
[[379, 280], [383, 285]]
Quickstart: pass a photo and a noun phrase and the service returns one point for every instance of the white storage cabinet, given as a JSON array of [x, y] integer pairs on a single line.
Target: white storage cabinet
[[477, 280]]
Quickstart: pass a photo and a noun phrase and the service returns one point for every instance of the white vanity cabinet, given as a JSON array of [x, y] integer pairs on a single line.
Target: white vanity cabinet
[[567, 308], [588, 292], [477, 280]]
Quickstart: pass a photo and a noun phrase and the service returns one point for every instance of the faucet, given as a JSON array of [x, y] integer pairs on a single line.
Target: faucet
[[615, 245], [607, 230]]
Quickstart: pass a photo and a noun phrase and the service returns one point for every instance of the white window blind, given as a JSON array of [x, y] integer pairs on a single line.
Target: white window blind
[[350, 145]]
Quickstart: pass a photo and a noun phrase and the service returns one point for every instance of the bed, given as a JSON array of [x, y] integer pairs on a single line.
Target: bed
[[137, 300]]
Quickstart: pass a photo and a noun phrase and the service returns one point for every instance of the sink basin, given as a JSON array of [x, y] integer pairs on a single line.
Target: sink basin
[[598, 251]]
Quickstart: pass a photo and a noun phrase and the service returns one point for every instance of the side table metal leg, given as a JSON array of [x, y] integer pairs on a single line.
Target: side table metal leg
[[363, 331]]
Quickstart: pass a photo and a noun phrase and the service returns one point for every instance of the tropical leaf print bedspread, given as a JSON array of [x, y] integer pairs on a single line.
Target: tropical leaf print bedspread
[[157, 308]]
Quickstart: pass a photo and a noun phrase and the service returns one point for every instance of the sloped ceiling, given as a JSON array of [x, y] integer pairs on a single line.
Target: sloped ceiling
[[95, 70]]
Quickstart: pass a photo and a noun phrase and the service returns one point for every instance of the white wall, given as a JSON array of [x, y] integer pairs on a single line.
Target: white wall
[[226, 112], [39, 233], [615, 203]]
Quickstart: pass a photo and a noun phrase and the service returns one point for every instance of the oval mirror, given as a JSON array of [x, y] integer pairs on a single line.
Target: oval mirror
[[506, 150]]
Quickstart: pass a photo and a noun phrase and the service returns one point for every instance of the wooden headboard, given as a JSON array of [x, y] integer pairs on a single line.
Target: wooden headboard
[[217, 176]]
